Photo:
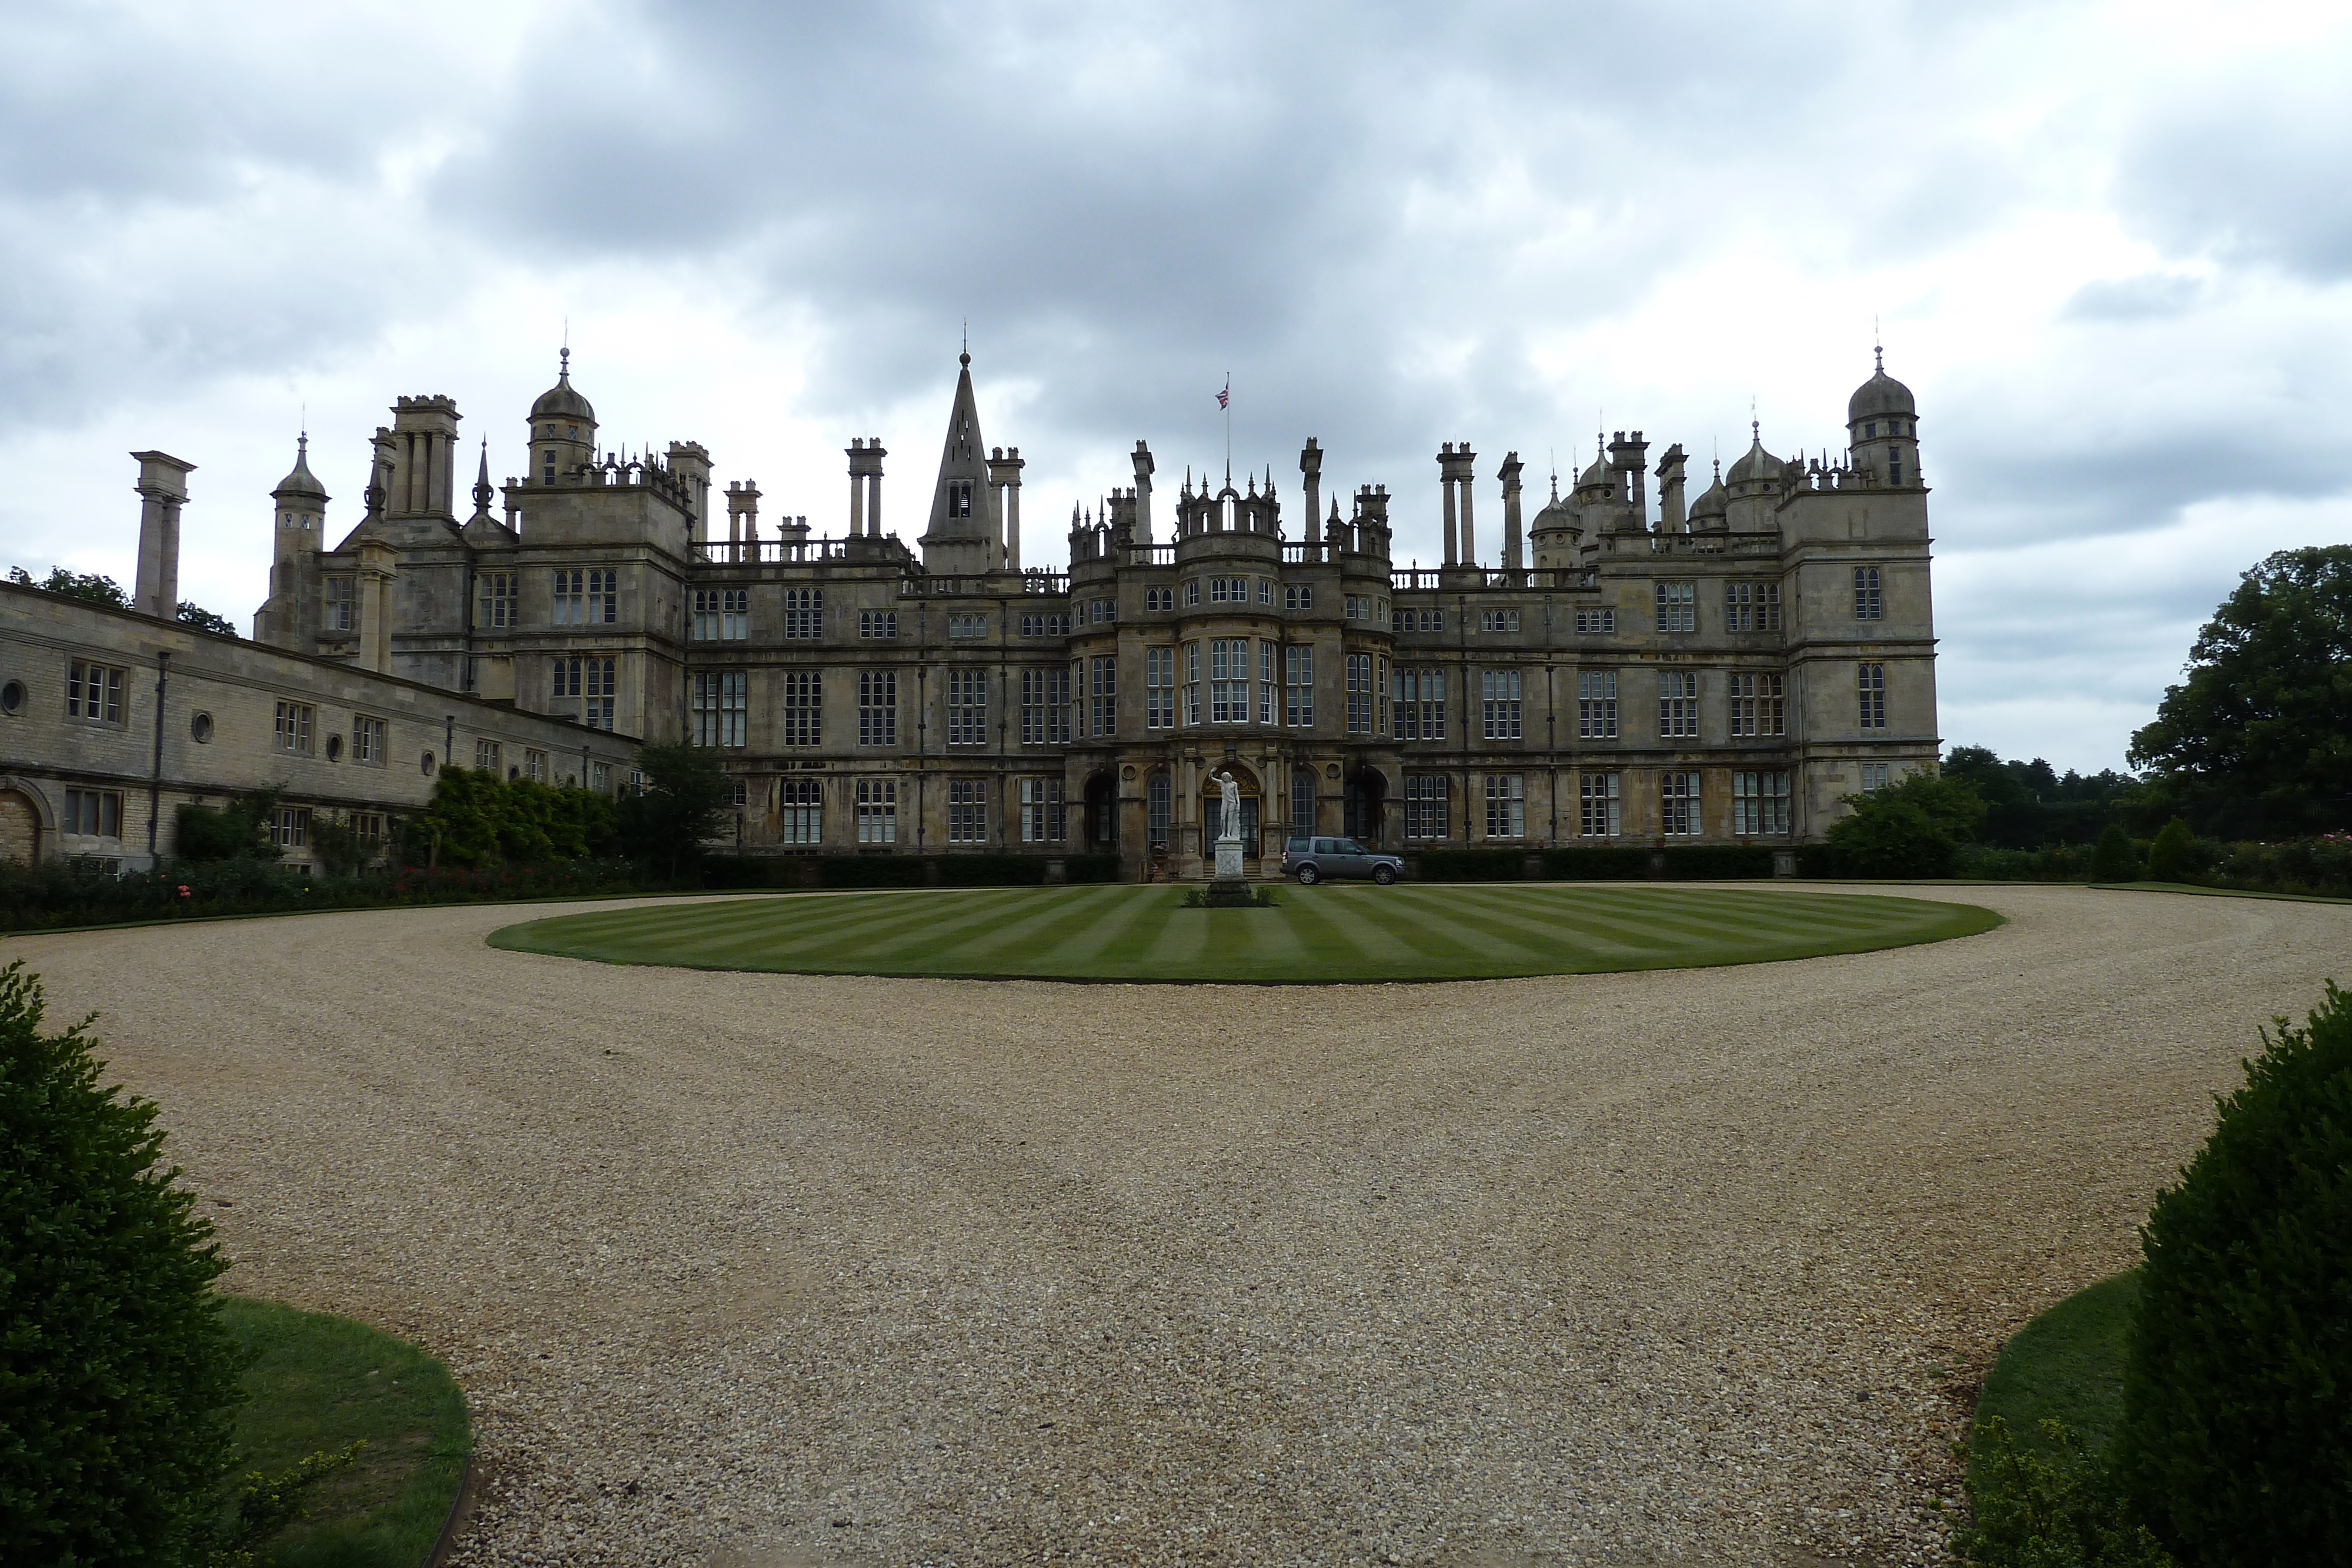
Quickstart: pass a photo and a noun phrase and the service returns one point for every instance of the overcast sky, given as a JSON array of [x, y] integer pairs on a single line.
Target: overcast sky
[[2110, 248]]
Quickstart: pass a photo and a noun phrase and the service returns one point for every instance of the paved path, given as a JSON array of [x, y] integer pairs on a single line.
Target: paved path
[[1666, 1268]]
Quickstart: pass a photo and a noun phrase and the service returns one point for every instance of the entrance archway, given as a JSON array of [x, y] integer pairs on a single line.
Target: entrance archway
[[1102, 813], [1366, 806]]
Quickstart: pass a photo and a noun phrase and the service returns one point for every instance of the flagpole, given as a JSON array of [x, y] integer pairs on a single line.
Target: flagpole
[[1227, 400]]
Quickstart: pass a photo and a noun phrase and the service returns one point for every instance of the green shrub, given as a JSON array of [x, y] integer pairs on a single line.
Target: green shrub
[[2054, 1507], [1911, 828], [1892, 838], [1470, 865], [1597, 863], [2173, 856], [2114, 859], [1094, 868], [239, 829], [2236, 1440], [117, 1381]]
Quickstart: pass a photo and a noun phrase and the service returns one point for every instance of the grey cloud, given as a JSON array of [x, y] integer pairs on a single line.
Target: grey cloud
[[2148, 296], [2250, 167]]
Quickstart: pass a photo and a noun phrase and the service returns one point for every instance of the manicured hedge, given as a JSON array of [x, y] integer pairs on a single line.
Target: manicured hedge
[[1470, 865], [1622, 863], [1703, 863], [852, 871]]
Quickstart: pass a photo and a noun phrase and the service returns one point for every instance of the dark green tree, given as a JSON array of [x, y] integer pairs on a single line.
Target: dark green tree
[[75, 585], [116, 1380], [2173, 856], [1911, 828], [2113, 858], [203, 620], [2236, 1436], [682, 804], [239, 829], [2257, 742]]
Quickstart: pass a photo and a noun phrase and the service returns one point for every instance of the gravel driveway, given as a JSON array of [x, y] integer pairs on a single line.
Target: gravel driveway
[[756, 1269]]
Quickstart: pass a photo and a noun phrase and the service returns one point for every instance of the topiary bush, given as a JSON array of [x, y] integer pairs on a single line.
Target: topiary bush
[[2173, 856], [117, 1379], [2113, 858], [2236, 1438]]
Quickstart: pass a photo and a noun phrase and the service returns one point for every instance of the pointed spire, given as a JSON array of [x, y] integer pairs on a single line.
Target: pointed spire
[[483, 494]]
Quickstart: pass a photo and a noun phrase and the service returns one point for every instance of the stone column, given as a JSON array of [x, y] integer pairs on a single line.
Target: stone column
[[1466, 479], [163, 488], [1013, 510], [856, 487], [1143, 470], [1512, 560], [1310, 472], [1446, 483], [873, 502]]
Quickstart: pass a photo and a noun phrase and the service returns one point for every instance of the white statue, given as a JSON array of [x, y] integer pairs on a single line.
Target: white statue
[[1232, 794]]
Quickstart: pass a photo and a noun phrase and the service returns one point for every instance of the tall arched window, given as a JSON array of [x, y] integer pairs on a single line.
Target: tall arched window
[[1160, 804]]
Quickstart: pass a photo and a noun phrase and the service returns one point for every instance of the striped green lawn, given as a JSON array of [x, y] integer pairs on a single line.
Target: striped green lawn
[[1317, 934]]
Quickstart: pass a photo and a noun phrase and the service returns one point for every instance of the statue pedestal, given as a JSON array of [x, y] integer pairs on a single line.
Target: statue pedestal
[[1227, 887]]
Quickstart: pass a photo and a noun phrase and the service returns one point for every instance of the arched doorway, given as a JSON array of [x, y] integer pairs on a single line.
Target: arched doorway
[[1366, 806], [20, 828], [1102, 814]]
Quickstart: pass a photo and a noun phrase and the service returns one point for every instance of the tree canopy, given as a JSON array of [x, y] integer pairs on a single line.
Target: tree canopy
[[680, 805], [2030, 804], [2257, 742], [1911, 828], [75, 585]]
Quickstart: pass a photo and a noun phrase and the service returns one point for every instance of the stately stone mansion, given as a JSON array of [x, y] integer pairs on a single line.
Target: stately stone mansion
[[1623, 667]]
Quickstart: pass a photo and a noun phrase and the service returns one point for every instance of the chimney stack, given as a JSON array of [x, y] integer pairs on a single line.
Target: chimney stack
[[162, 490]]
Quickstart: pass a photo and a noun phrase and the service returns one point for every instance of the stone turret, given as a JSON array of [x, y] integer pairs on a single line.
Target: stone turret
[[1882, 421], [562, 432]]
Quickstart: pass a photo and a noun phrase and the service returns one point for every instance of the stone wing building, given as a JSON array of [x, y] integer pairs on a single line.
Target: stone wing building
[[1622, 668]]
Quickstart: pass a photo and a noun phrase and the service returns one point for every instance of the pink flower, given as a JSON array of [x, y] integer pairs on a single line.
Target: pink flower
[[185, 891]]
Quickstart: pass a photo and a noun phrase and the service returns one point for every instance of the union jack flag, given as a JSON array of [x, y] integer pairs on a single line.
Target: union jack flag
[[1224, 395]]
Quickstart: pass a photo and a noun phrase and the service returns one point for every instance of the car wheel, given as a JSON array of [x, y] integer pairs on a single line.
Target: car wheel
[[1309, 876], [1384, 874]]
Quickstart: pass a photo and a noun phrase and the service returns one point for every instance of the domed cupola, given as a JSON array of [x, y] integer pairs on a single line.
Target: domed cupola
[[1554, 534], [1713, 507], [1757, 472], [1883, 428], [302, 503], [562, 432]]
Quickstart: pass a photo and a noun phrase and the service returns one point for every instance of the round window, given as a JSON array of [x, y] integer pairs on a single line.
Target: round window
[[334, 748], [426, 766], [12, 696], [200, 726]]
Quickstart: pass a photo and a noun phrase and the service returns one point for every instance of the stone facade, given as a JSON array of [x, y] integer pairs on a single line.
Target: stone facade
[[1621, 669], [111, 719]]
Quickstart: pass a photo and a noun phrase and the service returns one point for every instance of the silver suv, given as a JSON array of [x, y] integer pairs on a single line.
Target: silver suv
[[1312, 860]]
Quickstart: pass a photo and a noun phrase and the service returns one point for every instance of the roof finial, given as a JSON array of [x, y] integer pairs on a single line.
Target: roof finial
[[1554, 473], [1877, 345], [965, 358]]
